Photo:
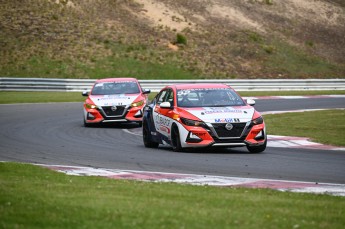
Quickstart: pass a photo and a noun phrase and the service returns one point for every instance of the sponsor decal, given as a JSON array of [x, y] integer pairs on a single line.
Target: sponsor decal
[[164, 129], [112, 98], [225, 120], [183, 92], [163, 123], [186, 91], [161, 120], [112, 104], [216, 110], [125, 81]]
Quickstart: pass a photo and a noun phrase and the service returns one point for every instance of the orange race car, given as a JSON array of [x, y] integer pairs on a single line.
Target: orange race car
[[203, 115], [115, 100]]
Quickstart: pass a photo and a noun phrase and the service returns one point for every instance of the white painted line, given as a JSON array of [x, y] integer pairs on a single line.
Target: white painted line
[[193, 179], [297, 111], [132, 132]]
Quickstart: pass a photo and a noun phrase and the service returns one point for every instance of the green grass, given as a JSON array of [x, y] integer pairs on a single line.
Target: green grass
[[7, 97], [98, 68], [321, 126], [34, 197], [288, 60]]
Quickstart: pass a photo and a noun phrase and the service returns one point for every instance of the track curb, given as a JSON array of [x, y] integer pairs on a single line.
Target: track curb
[[193, 179]]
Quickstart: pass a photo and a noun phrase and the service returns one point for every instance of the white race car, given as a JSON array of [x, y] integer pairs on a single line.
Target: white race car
[[203, 115], [115, 100]]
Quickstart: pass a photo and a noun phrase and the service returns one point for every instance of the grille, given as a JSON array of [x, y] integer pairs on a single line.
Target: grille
[[235, 132], [240, 140], [118, 112]]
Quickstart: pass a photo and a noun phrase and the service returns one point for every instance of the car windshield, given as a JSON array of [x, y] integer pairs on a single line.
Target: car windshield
[[120, 87], [208, 97]]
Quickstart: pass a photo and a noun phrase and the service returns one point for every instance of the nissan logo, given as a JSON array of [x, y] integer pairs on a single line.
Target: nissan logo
[[229, 126], [113, 108]]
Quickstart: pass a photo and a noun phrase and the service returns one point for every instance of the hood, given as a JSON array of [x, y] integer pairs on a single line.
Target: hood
[[223, 114], [113, 100]]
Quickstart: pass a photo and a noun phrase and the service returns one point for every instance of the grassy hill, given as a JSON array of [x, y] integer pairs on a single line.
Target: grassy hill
[[172, 39]]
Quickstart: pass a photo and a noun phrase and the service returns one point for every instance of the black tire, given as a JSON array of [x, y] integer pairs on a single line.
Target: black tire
[[257, 149], [175, 140], [147, 138], [140, 124], [91, 124], [87, 124]]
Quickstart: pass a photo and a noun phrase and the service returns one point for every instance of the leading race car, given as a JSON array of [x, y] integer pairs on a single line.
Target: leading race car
[[115, 100], [203, 115]]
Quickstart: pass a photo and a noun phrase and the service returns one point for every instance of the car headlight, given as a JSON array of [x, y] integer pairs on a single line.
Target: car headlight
[[257, 121], [190, 122], [137, 104], [90, 106]]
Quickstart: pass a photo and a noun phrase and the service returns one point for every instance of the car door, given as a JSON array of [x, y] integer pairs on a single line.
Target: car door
[[162, 116]]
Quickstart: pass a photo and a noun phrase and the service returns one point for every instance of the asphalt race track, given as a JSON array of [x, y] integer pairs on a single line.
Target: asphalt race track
[[54, 134]]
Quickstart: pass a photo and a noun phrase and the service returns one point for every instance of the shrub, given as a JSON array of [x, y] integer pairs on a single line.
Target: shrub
[[180, 39], [268, 49], [269, 2]]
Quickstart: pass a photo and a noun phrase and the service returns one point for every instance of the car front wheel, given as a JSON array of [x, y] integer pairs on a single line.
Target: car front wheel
[[147, 138], [257, 149], [175, 140]]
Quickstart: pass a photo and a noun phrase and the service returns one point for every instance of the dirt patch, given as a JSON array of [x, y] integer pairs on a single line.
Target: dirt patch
[[234, 16], [163, 16], [318, 11]]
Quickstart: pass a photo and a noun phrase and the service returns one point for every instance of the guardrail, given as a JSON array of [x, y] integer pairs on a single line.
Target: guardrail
[[46, 84]]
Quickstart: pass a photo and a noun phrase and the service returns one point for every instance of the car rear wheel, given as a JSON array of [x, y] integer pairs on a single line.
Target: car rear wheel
[[257, 149], [175, 140], [147, 138]]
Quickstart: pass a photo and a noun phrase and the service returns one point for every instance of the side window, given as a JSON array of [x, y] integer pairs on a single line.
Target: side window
[[161, 96], [166, 96], [170, 97]]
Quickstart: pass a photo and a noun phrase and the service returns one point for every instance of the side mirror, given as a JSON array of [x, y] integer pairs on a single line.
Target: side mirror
[[251, 102], [146, 91], [165, 105], [85, 93]]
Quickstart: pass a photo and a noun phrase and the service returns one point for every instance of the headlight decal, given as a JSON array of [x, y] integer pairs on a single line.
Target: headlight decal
[[258, 121], [190, 122], [138, 104], [90, 106]]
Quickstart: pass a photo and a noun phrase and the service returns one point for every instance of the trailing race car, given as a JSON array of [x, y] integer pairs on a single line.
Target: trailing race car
[[115, 100], [203, 115]]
